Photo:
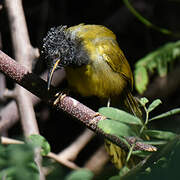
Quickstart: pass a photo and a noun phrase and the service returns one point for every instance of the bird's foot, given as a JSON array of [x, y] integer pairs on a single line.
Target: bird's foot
[[60, 96], [96, 115]]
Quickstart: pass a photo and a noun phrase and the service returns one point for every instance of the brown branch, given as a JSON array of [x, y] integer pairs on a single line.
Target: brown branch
[[63, 161], [9, 93], [22, 48], [97, 160], [38, 87], [2, 77], [19, 33], [9, 114], [5, 140], [2, 87], [24, 54], [71, 152], [67, 155]]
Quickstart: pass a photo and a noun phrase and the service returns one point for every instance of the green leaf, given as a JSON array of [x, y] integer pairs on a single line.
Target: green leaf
[[154, 104], [142, 154], [165, 135], [116, 128], [19, 162], [40, 141], [124, 140], [119, 115], [155, 142], [158, 61], [141, 77], [144, 101], [124, 170], [168, 113], [82, 174]]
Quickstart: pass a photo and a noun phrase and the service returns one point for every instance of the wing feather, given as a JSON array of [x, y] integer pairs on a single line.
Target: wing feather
[[116, 59]]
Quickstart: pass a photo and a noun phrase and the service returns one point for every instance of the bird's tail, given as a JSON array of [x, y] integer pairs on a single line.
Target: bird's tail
[[117, 154], [131, 105]]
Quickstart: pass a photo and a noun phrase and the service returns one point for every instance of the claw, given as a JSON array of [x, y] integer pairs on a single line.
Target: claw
[[60, 97]]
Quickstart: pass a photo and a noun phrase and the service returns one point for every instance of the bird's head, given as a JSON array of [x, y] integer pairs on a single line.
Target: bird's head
[[61, 49]]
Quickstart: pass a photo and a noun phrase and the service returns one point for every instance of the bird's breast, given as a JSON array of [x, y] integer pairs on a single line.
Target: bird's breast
[[95, 79], [105, 74]]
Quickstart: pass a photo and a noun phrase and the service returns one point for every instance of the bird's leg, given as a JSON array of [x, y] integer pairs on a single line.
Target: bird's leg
[[61, 95], [109, 102]]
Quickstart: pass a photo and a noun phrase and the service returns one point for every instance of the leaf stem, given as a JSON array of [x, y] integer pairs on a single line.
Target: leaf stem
[[130, 152], [141, 131], [146, 121], [147, 22]]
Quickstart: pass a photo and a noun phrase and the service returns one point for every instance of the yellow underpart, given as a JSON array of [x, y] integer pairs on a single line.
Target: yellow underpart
[[108, 71], [107, 75]]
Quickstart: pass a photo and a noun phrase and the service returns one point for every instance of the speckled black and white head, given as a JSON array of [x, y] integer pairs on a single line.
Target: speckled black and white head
[[61, 49]]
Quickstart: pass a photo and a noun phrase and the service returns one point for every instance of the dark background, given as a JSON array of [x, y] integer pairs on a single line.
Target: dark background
[[135, 39]]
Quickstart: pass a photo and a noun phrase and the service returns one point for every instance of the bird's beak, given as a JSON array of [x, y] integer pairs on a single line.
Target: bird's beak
[[51, 72]]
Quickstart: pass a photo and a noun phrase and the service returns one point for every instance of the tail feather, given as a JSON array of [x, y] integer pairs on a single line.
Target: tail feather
[[118, 155], [132, 105]]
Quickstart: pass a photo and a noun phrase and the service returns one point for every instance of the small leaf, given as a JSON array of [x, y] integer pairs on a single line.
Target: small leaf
[[154, 104], [157, 142], [141, 79], [156, 61], [142, 154], [144, 101], [123, 171], [40, 141], [124, 140], [119, 115], [165, 135], [116, 128], [82, 174], [168, 113]]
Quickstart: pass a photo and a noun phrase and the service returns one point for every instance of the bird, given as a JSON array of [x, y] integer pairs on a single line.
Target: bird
[[95, 66]]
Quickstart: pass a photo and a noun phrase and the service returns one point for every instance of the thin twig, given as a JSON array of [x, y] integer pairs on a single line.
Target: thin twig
[[39, 87], [71, 152], [2, 87], [147, 22], [23, 48], [2, 77], [63, 161], [97, 160], [9, 93], [5, 140], [9, 114]]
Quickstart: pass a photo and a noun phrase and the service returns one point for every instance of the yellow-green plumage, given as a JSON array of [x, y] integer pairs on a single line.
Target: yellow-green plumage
[[107, 75], [103, 72], [108, 72]]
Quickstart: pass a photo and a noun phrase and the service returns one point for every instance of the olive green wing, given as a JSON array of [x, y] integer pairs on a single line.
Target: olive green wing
[[115, 58]]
